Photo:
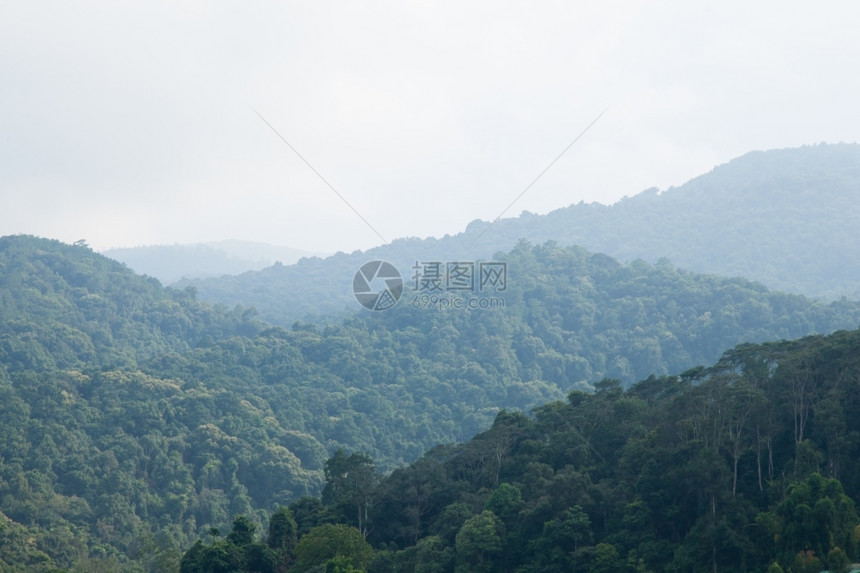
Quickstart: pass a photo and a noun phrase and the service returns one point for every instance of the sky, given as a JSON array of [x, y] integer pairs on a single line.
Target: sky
[[336, 126]]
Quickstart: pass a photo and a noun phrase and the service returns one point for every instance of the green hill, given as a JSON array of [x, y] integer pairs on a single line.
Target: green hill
[[63, 306], [133, 417], [749, 465]]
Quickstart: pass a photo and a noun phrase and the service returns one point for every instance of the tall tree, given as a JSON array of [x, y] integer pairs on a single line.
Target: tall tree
[[351, 482]]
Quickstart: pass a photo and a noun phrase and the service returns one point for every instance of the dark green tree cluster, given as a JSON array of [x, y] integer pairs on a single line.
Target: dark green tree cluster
[[329, 548], [750, 465], [240, 550]]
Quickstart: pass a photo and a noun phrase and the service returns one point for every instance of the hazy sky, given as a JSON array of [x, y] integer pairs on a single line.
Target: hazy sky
[[133, 123]]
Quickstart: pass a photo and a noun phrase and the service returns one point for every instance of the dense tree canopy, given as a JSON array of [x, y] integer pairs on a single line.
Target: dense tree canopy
[[705, 471], [134, 418]]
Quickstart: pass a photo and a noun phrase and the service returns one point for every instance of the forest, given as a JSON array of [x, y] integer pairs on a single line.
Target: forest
[[786, 218], [137, 423], [748, 465]]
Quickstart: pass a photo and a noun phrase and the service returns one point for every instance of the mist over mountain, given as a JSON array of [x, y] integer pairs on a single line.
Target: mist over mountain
[[169, 263], [788, 218]]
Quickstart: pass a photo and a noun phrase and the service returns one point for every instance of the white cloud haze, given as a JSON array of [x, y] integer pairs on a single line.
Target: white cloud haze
[[133, 123]]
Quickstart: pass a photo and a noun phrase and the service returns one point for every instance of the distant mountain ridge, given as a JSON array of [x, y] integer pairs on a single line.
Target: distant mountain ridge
[[169, 263], [788, 218]]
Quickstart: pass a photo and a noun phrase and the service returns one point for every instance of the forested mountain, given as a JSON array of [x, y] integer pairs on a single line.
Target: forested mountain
[[133, 417], [751, 465], [788, 218], [169, 263], [63, 306]]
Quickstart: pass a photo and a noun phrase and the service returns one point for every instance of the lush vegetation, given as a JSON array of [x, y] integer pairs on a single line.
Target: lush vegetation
[[134, 418], [785, 218], [751, 465]]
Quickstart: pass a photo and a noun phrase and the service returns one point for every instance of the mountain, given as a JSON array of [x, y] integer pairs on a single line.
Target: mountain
[[787, 218], [169, 263], [751, 464], [134, 417]]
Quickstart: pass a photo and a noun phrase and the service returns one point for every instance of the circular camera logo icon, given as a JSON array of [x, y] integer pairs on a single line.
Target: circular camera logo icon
[[377, 285]]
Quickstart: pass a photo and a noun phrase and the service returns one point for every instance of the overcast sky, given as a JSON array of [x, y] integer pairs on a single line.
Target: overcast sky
[[134, 123]]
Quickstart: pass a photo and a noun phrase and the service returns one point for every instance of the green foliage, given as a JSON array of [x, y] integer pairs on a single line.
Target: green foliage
[[328, 542], [341, 564], [814, 516], [350, 485], [23, 549], [479, 543], [133, 418], [239, 551], [505, 502], [243, 531], [283, 532], [837, 561], [806, 562], [682, 474]]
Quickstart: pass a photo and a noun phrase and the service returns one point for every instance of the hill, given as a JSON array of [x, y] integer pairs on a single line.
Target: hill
[[748, 465], [169, 263], [133, 417], [787, 218]]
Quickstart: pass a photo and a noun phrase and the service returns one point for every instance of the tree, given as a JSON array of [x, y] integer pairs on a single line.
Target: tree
[[350, 484], [283, 535], [309, 512], [237, 552], [259, 558], [220, 557], [837, 561], [411, 498], [815, 517], [340, 564], [505, 502], [742, 401], [479, 543], [806, 562], [326, 542], [192, 561], [605, 559], [242, 532]]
